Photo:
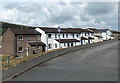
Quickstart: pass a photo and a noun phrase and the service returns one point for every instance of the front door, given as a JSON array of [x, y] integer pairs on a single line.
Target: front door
[[43, 48], [34, 52], [68, 44], [81, 42], [89, 41], [71, 44]]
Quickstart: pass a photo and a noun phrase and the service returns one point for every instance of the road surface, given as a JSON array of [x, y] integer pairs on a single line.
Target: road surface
[[91, 64]]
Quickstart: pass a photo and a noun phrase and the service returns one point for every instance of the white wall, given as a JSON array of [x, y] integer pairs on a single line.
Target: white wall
[[52, 41], [107, 35]]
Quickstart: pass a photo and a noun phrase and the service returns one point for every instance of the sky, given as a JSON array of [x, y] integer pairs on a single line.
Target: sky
[[64, 14]]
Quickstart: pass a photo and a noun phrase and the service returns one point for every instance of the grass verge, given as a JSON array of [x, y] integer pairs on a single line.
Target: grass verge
[[16, 61]]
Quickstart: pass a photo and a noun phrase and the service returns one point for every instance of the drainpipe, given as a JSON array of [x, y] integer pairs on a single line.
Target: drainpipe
[[36, 44]]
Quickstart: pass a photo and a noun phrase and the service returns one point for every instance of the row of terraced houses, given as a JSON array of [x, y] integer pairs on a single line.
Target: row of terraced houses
[[29, 41]]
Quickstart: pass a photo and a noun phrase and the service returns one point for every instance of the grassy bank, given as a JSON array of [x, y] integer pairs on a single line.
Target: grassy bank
[[16, 61]]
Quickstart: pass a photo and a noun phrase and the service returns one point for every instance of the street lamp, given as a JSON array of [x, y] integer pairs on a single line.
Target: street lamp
[[59, 29]]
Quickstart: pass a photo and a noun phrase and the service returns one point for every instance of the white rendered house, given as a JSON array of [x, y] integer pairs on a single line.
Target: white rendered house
[[67, 37], [106, 34], [97, 34]]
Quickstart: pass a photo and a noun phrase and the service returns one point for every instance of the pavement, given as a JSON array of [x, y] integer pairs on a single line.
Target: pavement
[[22, 69]]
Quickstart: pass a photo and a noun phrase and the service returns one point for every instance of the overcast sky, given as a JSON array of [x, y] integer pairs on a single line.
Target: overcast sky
[[64, 14]]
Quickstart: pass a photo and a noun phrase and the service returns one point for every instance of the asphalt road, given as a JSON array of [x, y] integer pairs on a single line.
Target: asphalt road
[[98, 63]]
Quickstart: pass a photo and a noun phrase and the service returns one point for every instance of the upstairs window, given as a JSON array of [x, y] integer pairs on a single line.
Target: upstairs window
[[67, 35], [28, 37], [38, 37], [49, 36], [81, 34], [63, 35], [88, 33], [73, 35], [20, 37], [85, 34], [55, 35]]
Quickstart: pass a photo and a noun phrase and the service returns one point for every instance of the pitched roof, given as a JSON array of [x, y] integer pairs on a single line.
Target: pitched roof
[[23, 31], [98, 36], [36, 43], [64, 30], [67, 40], [83, 38], [103, 30], [94, 30], [90, 38], [113, 31]]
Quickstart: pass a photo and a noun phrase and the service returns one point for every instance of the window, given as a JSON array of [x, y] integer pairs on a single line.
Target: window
[[38, 37], [55, 35], [28, 37], [49, 35], [49, 46], [20, 37], [73, 35], [20, 49], [64, 44], [85, 34], [67, 35], [81, 34], [55, 45], [75, 43], [63, 35], [88, 33], [77, 35]]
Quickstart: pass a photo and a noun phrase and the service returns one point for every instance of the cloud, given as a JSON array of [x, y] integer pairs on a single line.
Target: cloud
[[64, 14], [98, 8]]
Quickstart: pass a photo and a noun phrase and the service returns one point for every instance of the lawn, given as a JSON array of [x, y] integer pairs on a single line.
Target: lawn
[[16, 61]]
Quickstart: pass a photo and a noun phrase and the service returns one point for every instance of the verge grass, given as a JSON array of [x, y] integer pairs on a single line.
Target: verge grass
[[14, 61]]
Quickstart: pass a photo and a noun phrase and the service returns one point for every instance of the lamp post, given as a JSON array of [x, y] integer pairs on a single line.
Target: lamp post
[[59, 29]]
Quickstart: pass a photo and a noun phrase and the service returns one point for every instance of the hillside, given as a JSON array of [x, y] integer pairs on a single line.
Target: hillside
[[4, 26]]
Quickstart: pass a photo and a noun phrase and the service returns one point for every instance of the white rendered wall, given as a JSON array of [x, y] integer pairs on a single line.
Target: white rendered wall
[[43, 36], [52, 41]]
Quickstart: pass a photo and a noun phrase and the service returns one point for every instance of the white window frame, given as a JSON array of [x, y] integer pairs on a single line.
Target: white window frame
[[55, 35], [49, 34], [19, 37], [28, 37], [63, 35], [21, 50]]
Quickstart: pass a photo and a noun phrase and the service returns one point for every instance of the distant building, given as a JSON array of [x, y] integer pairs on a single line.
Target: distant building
[[97, 34], [68, 37], [115, 34], [106, 34], [22, 41]]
